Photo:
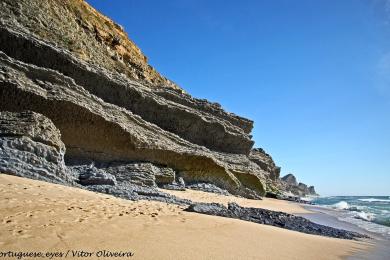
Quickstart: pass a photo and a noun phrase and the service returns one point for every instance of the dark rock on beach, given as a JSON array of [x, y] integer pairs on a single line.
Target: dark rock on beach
[[273, 218], [31, 146], [90, 175], [208, 187]]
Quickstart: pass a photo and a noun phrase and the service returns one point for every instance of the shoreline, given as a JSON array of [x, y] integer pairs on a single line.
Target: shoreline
[[380, 245], [43, 216]]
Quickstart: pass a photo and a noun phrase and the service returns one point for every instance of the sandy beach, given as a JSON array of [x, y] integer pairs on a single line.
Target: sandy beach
[[43, 217]]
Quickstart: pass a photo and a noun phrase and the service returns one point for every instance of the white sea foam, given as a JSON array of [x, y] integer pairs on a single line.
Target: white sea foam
[[341, 205], [374, 200], [367, 225], [365, 212], [308, 198], [365, 216]]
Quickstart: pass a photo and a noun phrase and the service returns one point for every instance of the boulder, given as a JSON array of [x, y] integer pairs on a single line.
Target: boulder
[[31, 147], [141, 174], [90, 175], [164, 175]]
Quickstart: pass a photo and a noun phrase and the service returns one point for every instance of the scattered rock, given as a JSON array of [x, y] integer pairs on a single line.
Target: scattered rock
[[164, 175], [208, 187], [173, 186], [142, 174], [273, 218], [181, 182], [90, 175]]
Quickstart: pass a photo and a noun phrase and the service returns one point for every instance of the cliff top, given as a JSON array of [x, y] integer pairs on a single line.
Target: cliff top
[[88, 34]]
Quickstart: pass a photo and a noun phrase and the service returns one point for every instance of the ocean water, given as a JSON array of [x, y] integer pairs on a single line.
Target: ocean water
[[371, 213]]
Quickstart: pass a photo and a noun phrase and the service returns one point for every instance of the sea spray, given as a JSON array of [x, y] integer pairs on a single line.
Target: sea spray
[[341, 205]]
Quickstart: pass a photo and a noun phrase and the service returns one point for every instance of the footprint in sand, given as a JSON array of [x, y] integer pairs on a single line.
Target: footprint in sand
[[7, 221], [18, 232], [29, 214], [79, 220]]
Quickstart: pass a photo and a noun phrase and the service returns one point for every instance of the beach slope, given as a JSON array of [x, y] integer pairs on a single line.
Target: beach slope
[[42, 217]]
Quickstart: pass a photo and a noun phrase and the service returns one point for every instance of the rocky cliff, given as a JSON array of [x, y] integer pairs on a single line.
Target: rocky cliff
[[289, 183], [85, 108], [86, 33]]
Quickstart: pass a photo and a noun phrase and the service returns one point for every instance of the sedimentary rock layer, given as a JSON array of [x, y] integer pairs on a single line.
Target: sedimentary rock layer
[[210, 126], [94, 130], [78, 68], [76, 26], [265, 161], [31, 146], [290, 184]]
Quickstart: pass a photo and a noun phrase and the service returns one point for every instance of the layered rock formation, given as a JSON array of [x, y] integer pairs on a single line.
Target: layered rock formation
[[290, 179], [290, 184], [276, 186], [265, 161], [86, 33], [31, 146], [116, 125]]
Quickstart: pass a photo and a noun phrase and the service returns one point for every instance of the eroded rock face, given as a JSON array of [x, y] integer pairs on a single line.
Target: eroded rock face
[[142, 174], [76, 26], [31, 146], [90, 175], [210, 127], [95, 130], [290, 179], [312, 190], [289, 184], [68, 62], [265, 161]]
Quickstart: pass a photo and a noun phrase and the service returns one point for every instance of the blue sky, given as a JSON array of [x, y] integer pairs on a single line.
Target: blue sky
[[313, 75]]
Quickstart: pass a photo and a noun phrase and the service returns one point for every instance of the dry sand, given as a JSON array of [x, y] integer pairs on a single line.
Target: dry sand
[[38, 216]]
